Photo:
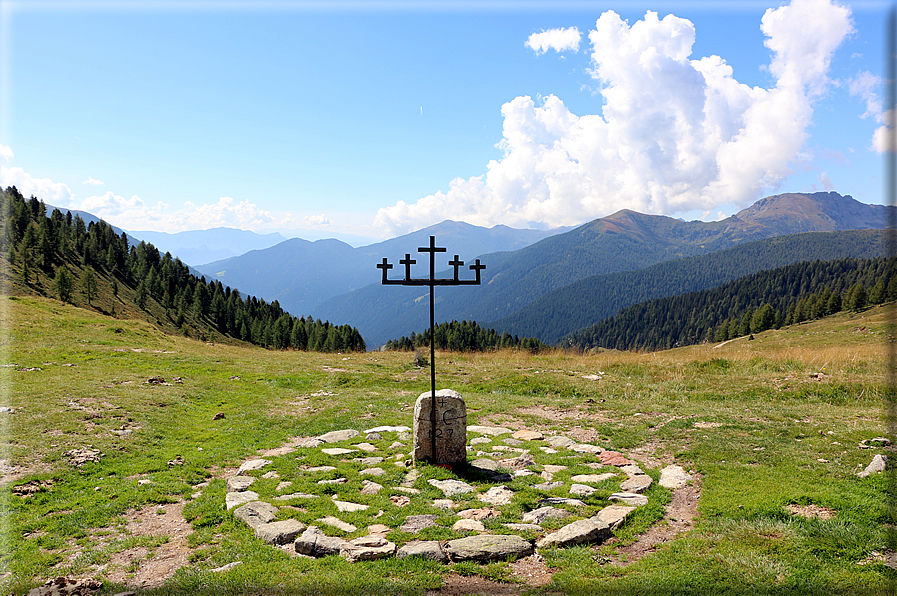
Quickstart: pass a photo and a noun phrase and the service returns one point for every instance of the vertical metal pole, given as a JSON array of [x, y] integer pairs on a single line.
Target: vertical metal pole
[[433, 352]]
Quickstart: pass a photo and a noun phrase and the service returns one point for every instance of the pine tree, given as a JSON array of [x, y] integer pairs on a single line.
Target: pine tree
[[88, 284], [63, 283]]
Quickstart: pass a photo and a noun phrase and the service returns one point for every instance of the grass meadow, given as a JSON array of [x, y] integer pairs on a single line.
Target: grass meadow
[[766, 424]]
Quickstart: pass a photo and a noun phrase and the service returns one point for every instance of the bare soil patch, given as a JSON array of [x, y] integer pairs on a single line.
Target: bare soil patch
[[474, 585], [678, 518], [155, 565]]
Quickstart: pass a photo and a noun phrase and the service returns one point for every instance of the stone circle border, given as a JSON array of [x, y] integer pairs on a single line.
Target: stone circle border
[[311, 541]]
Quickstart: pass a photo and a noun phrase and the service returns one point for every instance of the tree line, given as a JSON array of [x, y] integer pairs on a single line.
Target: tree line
[[765, 300], [466, 336], [57, 245]]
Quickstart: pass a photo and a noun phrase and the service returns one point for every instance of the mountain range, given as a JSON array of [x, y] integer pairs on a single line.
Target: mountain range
[[300, 274], [623, 241], [196, 247]]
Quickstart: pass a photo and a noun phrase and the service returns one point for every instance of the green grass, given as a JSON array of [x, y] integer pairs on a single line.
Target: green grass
[[753, 419]]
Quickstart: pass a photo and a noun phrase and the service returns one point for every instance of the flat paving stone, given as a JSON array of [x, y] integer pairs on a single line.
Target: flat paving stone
[[613, 458], [468, 525], [592, 478], [336, 436], [366, 447], [314, 469], [372, 472], [546, 486], [479, 513], [489, 430], [415, 523], [488, 547], [389, 429], [444, 504], [587, 448], [528, 435], [633, 499], [315, 543], [673, 477], [368, 461], [332, 481], [370, 488], [582, 490], [255, 513], [524, 527], [560, 442], [236, 484], [636, 484], [348, 507], [253, 464], [367, 548], [583, 531], [337, 451], [427, 549], [337, 523], [631, 470], [236, 499], [291, 496], [561, 501], [613, 515], [280, 532], [497, 495], [537, 516], [451, 487]]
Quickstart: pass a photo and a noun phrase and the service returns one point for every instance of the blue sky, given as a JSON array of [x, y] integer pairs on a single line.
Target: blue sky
[[374, 119]]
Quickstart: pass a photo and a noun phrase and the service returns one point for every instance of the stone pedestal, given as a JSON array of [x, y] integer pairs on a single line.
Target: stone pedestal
[[451, 428]]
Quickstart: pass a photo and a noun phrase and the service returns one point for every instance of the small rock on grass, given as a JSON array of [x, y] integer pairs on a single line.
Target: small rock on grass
[[878, 464]]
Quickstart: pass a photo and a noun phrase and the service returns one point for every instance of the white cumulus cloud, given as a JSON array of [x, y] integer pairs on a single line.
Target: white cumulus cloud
[[559, 40], [675, 133], [316, 220], [134, 214], [54, 193], [6, 153], [92, 181]]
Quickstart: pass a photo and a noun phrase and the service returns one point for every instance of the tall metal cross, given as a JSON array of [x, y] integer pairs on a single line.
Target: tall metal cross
[[432, 281]]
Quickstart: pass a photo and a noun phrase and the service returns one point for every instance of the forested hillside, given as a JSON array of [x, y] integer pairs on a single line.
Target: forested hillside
[[466, 336], [92, 266], [765, 300], [591, 300]]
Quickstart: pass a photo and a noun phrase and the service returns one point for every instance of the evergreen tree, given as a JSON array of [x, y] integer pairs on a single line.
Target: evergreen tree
[[63, 283], [88, 284]]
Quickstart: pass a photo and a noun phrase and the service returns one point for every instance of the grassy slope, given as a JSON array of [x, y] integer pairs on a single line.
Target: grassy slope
[[775, 422]]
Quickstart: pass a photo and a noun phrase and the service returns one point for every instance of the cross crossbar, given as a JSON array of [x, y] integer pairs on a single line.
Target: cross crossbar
[[432, 281]]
